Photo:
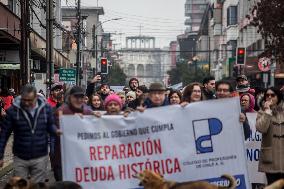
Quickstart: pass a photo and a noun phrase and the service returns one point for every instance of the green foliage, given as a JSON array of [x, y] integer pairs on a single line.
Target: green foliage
[[187, 74], [116, 76]]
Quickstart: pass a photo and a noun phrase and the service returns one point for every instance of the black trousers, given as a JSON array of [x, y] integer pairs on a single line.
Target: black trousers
[[57, 172], [272, 177]]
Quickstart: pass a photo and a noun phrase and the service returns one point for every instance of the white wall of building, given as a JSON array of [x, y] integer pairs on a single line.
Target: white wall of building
[[144, 66]]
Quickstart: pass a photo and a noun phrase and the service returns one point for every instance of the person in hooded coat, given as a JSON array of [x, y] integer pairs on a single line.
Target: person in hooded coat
[[247, 102]]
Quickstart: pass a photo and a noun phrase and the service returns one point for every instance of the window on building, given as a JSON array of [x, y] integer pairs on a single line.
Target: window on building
[[11, 5], [232, 15], [2, 56]]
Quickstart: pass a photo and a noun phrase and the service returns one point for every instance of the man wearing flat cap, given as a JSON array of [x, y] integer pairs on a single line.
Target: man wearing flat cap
[[157, 96]]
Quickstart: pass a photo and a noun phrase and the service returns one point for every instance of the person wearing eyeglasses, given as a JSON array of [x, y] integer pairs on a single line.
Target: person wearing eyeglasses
[[270, 122], [224, 89], [192, 93]]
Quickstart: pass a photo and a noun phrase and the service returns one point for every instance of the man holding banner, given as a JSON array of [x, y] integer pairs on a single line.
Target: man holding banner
[[74, 106]]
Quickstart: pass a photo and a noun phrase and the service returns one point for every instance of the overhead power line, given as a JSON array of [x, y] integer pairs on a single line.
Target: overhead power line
[[139, 16]]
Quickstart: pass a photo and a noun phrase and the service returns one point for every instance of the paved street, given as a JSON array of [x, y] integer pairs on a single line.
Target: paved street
[[4, 174]]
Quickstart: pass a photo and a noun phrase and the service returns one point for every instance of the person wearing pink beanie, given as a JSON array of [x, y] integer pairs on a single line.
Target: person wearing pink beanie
[[113, 104]]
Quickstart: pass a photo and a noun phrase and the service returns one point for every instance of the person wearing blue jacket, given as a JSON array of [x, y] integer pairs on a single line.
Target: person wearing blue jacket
[[31, 120]]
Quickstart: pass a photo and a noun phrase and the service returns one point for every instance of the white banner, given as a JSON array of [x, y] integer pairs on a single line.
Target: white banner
[[253, 145], [202, 141]]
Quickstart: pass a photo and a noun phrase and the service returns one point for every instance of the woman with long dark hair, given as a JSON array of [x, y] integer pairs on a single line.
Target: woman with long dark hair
[[193, 93], [270, 122], [96, 103]]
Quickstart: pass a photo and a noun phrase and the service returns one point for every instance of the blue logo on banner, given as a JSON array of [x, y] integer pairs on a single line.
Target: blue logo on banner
[[203, 130]]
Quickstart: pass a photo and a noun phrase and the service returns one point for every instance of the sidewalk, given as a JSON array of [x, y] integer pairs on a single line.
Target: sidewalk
[[8, 157], [6, 171]]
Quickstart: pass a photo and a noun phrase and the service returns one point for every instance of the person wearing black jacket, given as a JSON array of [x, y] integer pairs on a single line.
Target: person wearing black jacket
[[141, 91], [93, 85], [31, 120], [209, 88], [2, 111]]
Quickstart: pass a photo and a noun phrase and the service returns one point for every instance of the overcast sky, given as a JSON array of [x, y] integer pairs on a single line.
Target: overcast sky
[[163, 19]]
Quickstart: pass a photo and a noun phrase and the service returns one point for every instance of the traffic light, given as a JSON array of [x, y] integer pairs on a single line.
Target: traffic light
[[241, 56], [104, 66]]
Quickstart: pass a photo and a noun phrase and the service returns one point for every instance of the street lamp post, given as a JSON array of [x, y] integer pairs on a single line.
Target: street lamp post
[[195, 59], [96, 41]]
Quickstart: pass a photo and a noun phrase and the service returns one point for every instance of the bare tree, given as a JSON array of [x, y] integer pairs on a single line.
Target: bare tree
[[268, 17]]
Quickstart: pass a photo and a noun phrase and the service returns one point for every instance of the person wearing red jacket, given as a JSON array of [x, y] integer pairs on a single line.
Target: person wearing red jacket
[[7, 98], [56, 95]]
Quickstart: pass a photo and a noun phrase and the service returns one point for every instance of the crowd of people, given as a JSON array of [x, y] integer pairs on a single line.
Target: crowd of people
[[34, 120]]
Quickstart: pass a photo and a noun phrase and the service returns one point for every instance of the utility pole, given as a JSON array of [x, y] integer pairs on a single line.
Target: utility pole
[[49, 43], [102, 49], [78, 62], [96, 52], [24, 45], [209, 55], [272, 69]]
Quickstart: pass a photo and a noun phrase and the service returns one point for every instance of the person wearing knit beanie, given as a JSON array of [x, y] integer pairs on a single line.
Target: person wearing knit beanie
[[113, 104], [130, 96]]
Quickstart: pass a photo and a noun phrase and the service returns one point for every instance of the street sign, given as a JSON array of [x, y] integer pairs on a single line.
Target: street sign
[[264, 64], [56, 78], [9, 66], [67, 75], [232, 60]]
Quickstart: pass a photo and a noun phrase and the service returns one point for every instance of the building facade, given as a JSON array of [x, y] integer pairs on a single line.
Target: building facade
[[229, 28], [174, 53], [92, 35], [10, 33], [194, 10], [141, 59]]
